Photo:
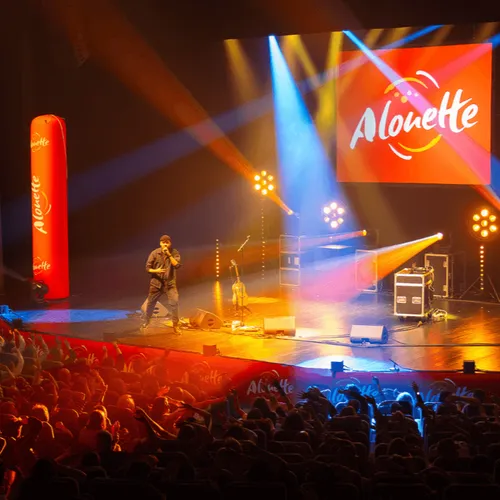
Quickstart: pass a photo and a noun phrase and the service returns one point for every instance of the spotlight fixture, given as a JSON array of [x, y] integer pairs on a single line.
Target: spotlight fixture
[[334, 214], [264, 182], [38, 291], [484, 225]]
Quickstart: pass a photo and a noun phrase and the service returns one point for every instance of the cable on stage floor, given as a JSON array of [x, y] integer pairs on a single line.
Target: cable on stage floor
[[439, 315]]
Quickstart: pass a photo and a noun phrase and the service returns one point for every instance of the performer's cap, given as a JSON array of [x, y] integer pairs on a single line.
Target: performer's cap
[[165, 238]]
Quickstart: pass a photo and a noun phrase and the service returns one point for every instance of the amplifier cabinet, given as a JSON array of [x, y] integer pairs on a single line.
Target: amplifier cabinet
[[290, 260], [411, 293]]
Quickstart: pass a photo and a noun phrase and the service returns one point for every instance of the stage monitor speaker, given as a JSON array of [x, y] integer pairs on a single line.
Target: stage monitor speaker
[[159, 312], [210, 350], [374, 334], [469, 367], [109, 336], [205, 320], [280, 325]]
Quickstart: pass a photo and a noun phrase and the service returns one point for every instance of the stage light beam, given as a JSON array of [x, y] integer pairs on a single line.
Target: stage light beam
[[244, 82], [306, 171], [395, 34], [305, 60], [339, 275], [119, 48]]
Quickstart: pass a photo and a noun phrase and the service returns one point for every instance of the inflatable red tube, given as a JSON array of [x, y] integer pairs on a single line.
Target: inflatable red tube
[[49, 205]]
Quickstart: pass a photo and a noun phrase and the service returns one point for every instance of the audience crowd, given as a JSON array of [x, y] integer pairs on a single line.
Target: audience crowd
[[81, 425]]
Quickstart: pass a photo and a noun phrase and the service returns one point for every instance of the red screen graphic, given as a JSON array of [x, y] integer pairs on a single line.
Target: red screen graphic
[[415, 115]]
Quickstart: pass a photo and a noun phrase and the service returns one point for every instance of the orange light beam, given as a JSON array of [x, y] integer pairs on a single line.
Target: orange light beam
[[489, 195], [338, 279], [391, 258], [119, 48], [244, 81], [290, 53], [370, 40], [394, 35], [327, 94], [306, 61], [441, 35], [486, 30]]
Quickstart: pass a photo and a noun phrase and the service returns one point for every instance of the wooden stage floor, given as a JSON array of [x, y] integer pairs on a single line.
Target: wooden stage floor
[[470, 332]]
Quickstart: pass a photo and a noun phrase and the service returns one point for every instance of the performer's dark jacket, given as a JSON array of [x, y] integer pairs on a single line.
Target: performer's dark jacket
[[158, 260]]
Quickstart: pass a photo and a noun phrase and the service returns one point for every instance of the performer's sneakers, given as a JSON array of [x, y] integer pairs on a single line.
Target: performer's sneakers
[[145, 324], [177, 330]]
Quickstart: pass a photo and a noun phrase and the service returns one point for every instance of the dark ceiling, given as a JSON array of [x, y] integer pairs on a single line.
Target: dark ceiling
[[220, 19]]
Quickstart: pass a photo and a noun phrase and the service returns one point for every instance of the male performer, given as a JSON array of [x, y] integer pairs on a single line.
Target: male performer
[[161, 265]]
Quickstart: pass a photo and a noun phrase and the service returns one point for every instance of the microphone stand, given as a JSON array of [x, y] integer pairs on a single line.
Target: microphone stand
[[243, 245], [242, 312]]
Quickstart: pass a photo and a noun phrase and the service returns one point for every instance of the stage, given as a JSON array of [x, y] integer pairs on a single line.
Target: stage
[[471, 330]]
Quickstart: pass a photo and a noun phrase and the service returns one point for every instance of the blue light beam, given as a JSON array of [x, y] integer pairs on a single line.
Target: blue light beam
[[306, 175]]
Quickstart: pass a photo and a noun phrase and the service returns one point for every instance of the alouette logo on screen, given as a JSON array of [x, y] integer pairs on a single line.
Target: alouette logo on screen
[[453, 114]]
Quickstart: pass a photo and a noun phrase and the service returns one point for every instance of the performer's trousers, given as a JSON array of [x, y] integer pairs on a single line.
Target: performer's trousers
[[172, 301]]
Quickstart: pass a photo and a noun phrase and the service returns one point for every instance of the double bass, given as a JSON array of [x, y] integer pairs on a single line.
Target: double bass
[[240, 296]]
